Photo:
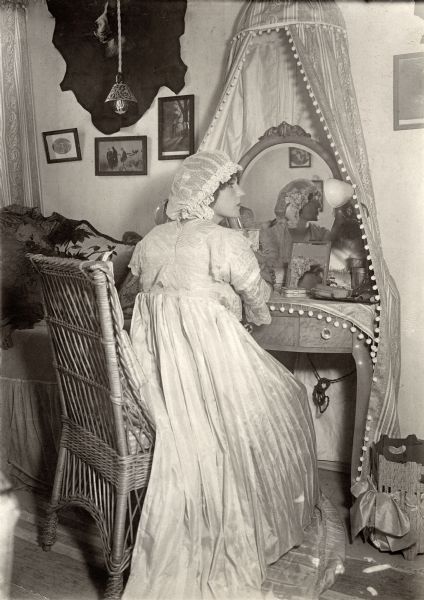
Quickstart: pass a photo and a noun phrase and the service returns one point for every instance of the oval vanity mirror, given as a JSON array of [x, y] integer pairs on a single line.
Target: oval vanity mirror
[[282, 155], [300, 239]]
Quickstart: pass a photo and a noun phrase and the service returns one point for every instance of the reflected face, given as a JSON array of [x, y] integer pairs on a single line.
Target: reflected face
[[268, 172], [310, 211], [227, 204]]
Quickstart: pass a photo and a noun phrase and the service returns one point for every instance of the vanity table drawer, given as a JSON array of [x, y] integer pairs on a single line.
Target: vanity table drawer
[[322, 335], [283, 331]]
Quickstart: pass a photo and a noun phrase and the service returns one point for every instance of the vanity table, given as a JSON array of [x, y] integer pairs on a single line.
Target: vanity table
[[300, 323], [325, 326]]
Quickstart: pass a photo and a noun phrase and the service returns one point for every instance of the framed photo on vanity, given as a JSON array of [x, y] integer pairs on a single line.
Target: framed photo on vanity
[[123, 155], [408, 91], [175, 127], [62, 145], [308, 265]]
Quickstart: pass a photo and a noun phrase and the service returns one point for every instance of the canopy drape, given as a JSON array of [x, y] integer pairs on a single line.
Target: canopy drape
[[19, 173], [289, 61]]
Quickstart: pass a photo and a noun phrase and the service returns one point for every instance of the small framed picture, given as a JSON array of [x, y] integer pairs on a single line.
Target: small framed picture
[[175, 127], [408, 91], [62, 145], [299, 158], [125, 155], [319, 184], [308, 264]]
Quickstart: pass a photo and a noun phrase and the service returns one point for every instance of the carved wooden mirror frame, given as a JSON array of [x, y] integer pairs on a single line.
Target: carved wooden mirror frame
[[286, 135], [289, 134]]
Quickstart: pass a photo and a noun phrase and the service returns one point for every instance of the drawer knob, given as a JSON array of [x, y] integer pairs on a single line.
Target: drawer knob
[[326, 333]]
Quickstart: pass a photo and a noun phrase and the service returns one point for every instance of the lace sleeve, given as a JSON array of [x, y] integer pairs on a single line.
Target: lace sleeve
[[246, 279]]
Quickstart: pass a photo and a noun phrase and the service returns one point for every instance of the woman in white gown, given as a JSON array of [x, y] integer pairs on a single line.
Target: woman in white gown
[[234, 476]]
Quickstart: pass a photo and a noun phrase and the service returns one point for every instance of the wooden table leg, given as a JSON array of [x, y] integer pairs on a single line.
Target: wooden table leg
[[363, 362]]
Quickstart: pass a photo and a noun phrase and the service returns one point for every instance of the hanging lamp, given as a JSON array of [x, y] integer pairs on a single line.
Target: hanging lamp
[[120, 95]]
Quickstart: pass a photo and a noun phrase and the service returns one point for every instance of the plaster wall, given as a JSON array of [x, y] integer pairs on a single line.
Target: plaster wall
[[376, 31]]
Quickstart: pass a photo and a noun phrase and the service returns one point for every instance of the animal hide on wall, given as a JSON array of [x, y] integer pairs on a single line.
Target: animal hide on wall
[[86, 36]]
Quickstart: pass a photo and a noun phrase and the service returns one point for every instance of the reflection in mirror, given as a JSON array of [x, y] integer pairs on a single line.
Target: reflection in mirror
[[269, 172], [284, 203]]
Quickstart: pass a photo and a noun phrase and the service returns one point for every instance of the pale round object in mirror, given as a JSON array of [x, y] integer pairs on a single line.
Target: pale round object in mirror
[[337, 192]]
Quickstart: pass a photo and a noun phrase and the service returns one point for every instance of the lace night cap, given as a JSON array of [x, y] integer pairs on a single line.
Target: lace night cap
[[293, 197], [195, 182]]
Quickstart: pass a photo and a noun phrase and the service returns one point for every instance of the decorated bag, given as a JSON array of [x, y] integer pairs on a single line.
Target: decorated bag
[[390, 508]]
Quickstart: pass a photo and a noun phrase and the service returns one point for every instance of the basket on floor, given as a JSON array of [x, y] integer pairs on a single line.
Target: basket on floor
[[398, 470]]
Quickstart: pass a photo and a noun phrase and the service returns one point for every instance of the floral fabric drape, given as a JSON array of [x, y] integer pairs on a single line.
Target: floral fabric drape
[[315, 34], [19, 175]]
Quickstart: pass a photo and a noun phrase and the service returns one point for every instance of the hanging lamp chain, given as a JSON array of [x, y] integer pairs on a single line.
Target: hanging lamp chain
[[118, 6], [120, 95]]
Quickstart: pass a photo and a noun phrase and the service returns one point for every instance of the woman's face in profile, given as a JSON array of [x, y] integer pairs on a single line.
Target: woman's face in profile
[[227, 204]]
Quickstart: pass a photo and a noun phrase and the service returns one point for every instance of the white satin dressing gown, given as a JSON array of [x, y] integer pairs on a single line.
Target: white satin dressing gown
[[234, 477]]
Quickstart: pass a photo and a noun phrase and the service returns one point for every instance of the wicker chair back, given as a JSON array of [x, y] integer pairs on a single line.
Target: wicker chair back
[[107, 438]]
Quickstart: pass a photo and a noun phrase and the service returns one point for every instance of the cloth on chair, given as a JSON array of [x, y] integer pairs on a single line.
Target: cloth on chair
[[26, 230]]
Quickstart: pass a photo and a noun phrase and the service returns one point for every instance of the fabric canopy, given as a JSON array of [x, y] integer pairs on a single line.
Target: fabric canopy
[[290, 62]]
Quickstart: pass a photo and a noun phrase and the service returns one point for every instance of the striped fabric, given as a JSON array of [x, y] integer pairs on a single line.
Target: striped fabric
[[264, 14], [312, 36], [325, 59], [19, 174]]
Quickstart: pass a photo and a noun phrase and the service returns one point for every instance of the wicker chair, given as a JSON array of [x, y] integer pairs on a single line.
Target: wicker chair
[[107, 439]]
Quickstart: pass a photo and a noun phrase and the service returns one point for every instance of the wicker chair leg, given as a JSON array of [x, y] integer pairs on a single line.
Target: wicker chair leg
[[114, 587], [49, 532]]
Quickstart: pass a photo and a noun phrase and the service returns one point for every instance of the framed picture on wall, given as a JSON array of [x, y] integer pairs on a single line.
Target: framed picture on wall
[[125, 155], [308, 265], [175, 127], [62, 145], [408, 91], [299, 158]]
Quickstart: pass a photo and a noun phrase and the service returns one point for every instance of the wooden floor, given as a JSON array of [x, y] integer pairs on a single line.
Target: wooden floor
[[73, 569]]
